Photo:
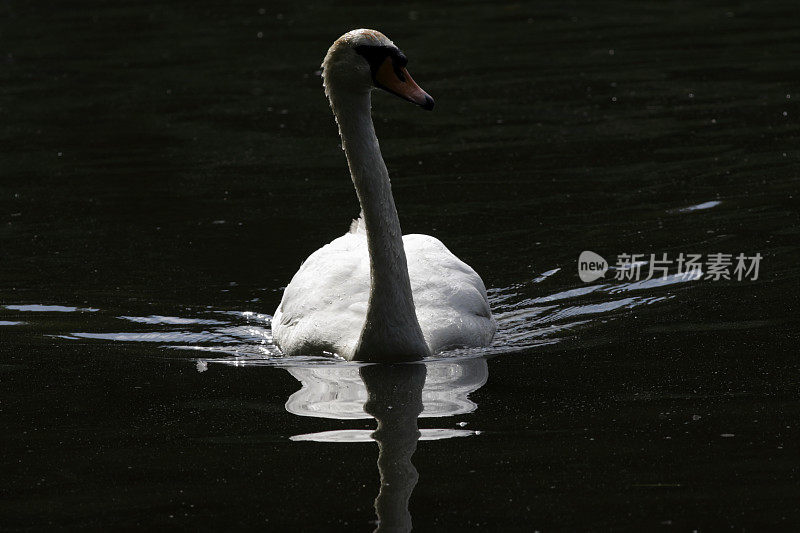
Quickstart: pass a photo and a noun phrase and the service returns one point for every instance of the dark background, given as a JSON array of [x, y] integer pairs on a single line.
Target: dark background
[[175, 159]]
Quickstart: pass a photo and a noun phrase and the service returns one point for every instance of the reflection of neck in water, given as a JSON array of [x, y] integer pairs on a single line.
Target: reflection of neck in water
[[395, 400]]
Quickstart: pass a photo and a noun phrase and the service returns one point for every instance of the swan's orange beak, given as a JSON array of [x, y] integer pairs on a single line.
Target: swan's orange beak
[[398, 81]]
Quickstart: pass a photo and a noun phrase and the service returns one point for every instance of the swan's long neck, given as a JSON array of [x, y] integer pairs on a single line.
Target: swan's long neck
[[391, 331]]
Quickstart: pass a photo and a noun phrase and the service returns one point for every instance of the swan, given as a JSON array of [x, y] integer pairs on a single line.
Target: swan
[[373, 294]]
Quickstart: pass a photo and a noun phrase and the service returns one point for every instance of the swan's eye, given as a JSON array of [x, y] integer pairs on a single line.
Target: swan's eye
[[377, 55], [399, 61], [399, 58]]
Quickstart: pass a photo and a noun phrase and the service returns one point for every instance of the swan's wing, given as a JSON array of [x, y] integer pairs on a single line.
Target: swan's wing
[[358, 226], [324, 306], [449, 296]]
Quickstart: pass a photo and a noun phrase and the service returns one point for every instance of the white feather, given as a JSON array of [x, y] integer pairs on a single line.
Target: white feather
[[325, 304]]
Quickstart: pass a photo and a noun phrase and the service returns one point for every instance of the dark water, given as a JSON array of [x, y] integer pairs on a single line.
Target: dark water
[[166, 167]]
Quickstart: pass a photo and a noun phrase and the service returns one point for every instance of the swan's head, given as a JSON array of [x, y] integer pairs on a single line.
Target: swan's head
[[361, 60]]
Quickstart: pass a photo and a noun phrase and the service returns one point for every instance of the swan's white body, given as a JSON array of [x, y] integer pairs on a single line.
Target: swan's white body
[[325, 305], [373, 294]]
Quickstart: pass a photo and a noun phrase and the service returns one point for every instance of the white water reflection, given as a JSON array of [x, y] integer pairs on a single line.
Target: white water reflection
[[660, 281], [697, 207], [37, 308], [339, 391], [366, 435], [158, 319]]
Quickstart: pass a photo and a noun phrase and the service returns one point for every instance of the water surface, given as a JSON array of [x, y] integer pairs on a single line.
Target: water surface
[[166, 168]]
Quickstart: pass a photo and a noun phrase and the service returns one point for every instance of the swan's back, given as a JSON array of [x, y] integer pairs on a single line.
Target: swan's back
[[324, 306]]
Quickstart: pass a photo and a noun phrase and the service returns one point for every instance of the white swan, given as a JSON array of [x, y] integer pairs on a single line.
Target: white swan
[[374, 294]]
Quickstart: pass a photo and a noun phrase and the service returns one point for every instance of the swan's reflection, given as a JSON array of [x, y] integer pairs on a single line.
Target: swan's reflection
[[338, 391], [395, 395]]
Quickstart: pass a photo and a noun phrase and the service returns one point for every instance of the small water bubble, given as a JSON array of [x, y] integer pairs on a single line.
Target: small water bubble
[[611, 52], [696, 417], [613, 98], [713, 121], [691, 95], [788, 96], [785, 114]]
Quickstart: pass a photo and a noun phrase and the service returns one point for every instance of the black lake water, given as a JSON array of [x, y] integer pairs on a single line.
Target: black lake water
[[166, 168]]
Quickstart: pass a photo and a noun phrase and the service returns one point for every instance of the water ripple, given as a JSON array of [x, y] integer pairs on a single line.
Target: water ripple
[[526, 319], [697, 207]]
